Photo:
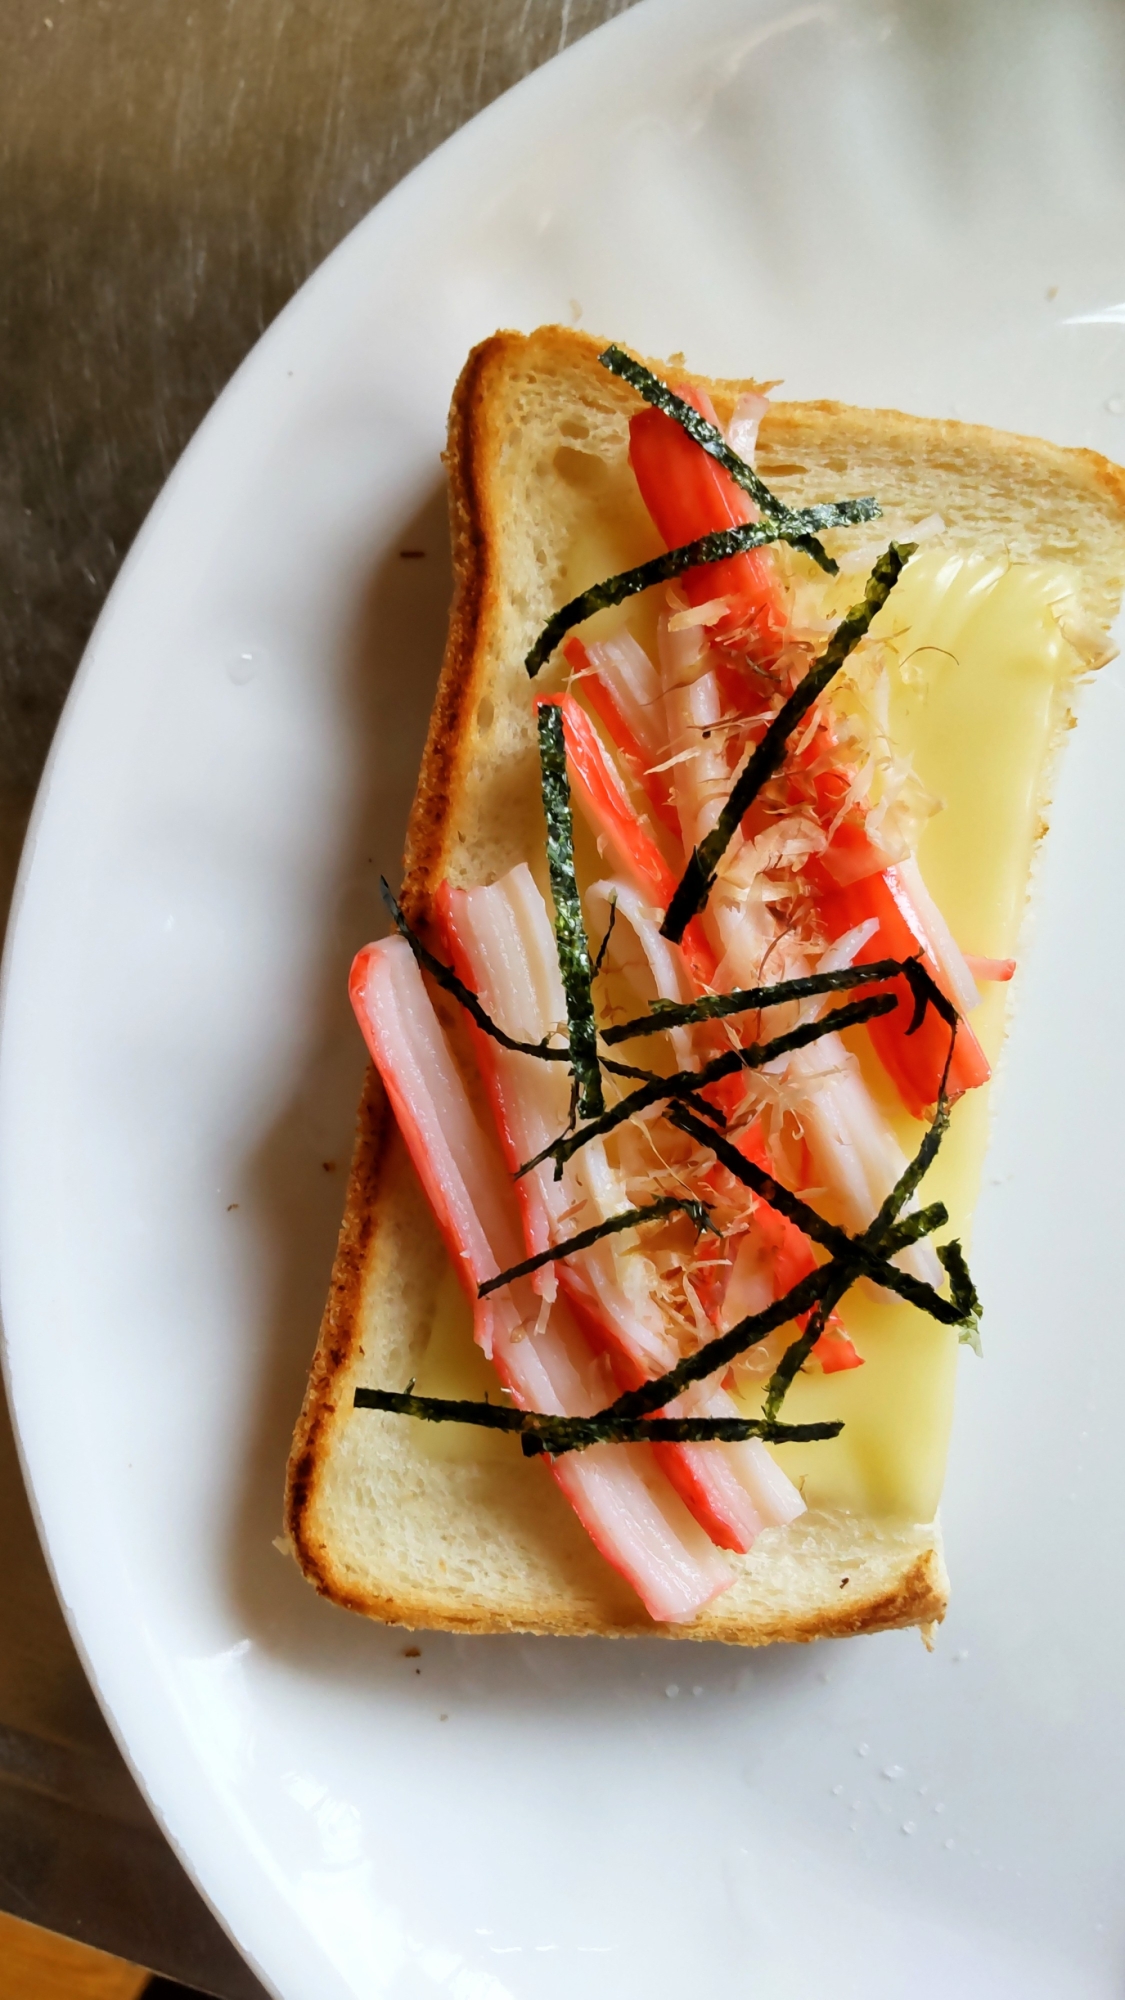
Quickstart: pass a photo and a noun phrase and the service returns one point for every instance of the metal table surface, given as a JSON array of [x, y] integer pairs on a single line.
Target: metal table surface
[[172, 171]]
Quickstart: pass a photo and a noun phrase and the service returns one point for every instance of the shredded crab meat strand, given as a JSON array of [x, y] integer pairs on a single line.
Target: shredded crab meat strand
[[665, 964], [629, 1510], [710, 613], [694, 711], [944, 949], [841, 956], [746, 418]]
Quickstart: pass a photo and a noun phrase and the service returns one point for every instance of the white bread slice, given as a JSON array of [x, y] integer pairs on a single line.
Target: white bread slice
[[377, 1520]]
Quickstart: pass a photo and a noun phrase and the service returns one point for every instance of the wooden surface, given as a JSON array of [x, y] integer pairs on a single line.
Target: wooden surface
[[37, 1965]]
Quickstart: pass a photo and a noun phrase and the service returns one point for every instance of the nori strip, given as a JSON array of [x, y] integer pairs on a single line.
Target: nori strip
[[698, 878], [698, 1104], [563, 1434], [885, 1234], [850, 1248], [554, 1435], [705, 434], [798, 1351], [570, 931], [685, 1082], [446, 978], [624, 1419], [751, 999], [965, 1301], [712, 548], [604, 945], [629, 1218], [715, 547], [963, 1290], [927, 993]]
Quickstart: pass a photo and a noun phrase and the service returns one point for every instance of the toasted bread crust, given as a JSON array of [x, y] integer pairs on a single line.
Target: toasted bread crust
[[339, 1330], [904, 1583], [473, 579]]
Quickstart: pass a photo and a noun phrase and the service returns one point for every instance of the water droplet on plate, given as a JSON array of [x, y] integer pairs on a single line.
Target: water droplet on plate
[[671, 1691], [863, 1749], [893, 1771], [242, 667], [1115, 405], [908, 1826]]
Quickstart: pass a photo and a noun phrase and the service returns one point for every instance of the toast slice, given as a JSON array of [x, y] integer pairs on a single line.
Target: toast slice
[[396, 1519]]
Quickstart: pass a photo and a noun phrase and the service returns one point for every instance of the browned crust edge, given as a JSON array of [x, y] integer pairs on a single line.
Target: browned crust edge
[[920, 1595], [339, 1330], [473, 584]]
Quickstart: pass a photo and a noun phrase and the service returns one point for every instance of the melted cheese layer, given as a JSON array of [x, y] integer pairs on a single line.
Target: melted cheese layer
[[980, 678], [980, 675]]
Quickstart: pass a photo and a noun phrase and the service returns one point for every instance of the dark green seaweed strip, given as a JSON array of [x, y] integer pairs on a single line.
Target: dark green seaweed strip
[[852, 1249], [446, 978], [713, 442], [711, 548], [685, 1082], [629, 1218], [696, 883], [847, 1271], [697, 427], [885, 1234], [751, 999], [554, 1435], [961, 1285], [604, 945], [799, 1350], [563, 1434], [698, 1104], [884, 1229], [927, 993], [963, 1290], [716, 1355], [444, 1409], [570, 931]]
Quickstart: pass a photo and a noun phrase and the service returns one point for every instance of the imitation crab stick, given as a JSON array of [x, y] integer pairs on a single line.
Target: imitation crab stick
[[598, 787], [782, 1253], [630, 1512], [856, 1156], [784, 1256], [624, 691], [689, 495], [915, 1062], [502, 945]]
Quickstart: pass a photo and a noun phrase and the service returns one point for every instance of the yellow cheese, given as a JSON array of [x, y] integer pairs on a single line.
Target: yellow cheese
[[980, 674], [980, 677]]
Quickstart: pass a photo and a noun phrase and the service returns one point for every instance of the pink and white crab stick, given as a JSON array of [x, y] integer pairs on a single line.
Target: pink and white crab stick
[[502, 945], [626, 1506]]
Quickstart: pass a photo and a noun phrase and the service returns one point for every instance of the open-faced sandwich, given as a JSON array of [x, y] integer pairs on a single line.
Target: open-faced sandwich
[[651, 1282]]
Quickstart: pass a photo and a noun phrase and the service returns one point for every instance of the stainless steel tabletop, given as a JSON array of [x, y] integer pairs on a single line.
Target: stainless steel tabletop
[[172, 171]]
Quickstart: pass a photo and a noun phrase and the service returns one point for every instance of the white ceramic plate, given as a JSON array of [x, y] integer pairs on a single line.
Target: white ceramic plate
[[921, 205]]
